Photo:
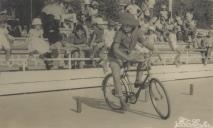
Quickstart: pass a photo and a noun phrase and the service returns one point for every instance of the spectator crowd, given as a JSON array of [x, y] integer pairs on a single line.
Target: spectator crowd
[[85, 33]]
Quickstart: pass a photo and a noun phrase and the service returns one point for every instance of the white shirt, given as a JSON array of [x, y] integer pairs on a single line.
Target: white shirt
[[4, 43], [108, 37]]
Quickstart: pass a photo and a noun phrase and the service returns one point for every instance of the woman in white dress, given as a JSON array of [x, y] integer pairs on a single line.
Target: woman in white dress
[[37, 44]]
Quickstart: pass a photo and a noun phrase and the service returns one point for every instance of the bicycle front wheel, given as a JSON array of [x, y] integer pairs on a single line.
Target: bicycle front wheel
[[159, 98], [109, 93]]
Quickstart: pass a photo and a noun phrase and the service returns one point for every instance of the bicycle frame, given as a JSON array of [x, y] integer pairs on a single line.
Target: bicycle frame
[[125, 79]]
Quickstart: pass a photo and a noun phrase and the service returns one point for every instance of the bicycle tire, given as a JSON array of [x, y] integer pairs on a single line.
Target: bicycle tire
[[106, 84], [155, 83]]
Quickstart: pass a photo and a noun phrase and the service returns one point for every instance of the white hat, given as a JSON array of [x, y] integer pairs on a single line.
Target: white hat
[[36, 21]]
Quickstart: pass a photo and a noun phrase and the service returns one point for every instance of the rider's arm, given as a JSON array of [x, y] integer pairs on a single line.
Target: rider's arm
[[118, 52]]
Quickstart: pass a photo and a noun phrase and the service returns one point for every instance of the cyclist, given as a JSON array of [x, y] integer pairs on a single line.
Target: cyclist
[[122, 49]]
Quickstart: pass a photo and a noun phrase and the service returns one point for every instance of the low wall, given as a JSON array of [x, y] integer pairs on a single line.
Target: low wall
[[41, 81]]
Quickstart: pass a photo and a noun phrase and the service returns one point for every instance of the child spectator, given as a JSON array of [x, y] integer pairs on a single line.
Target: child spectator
[[35, 38], [5, 40]]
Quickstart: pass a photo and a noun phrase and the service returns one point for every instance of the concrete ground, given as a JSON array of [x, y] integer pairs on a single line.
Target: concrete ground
[[58, 109]]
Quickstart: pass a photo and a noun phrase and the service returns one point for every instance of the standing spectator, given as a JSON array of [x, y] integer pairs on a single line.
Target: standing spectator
[[133, 9], [208, 44], [5, 40], [97, 42], [109, 34], [85, 22], [36, 40], [172, 40], [189, 27]]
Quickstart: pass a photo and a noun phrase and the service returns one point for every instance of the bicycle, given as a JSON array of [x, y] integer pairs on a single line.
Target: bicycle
[[157, 92]]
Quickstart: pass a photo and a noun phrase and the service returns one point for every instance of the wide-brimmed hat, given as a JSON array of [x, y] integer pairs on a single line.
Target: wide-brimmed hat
[[128, 19]]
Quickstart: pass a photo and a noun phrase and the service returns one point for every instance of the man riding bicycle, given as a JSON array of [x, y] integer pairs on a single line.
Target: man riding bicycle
[[122, 49]]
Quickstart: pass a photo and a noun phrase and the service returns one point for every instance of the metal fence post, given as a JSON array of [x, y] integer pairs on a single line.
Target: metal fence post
[[69, 62]]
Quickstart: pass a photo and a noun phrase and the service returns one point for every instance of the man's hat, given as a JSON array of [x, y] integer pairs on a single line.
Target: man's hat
[[128, 19]]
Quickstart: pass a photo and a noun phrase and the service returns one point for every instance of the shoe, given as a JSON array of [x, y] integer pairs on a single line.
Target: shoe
[[124, 105]]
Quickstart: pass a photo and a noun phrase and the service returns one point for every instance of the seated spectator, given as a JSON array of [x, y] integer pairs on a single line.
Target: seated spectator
[[5, 39], [197, 42], [144, 24], [37, 44], [133, 9], [14, 28], [70, 16], [77, 44], [151, 37], [189, 27], [179, 26], [146, 8], [161, 29], [93, 11], [24, 32], [164, 12], [54, 39]]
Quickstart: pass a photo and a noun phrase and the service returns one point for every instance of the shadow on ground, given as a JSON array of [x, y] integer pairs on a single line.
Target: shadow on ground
[[101, 104]]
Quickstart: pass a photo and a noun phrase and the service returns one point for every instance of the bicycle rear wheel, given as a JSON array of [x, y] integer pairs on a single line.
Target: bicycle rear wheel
[[109, 93], [159, 98]]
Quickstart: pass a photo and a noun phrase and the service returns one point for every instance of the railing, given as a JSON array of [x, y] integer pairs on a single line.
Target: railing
[[164, 60]]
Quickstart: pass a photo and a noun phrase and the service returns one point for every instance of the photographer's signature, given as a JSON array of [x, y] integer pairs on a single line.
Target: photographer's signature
[[191, 123]]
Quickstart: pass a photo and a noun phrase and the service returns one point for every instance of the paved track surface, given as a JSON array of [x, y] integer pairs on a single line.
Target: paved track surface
[[58, 109]]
